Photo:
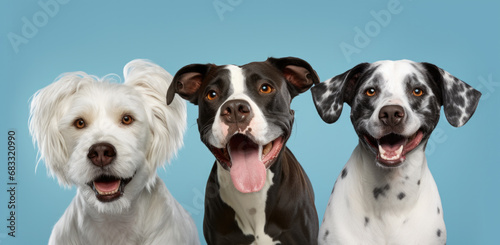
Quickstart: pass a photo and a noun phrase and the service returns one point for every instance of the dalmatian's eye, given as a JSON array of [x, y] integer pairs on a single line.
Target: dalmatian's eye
[[127, 120], [371, 92], [266, 88], [418, 92], [211, 95], [79, 123]]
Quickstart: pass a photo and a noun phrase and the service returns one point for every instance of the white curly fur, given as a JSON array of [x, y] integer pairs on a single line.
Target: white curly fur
[[146, 213]]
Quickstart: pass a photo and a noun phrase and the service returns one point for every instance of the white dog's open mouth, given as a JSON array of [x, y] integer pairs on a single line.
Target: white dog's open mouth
[[391, 149], [248, 161], [108, 188]]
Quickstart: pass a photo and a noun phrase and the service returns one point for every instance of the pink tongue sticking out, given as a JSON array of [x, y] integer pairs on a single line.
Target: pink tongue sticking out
[[248, 172], [107, 186]]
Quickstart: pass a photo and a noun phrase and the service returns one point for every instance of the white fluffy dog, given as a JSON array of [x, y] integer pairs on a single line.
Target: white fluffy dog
[[108, 139]]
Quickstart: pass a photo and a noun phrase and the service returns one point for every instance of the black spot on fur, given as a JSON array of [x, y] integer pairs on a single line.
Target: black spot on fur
[[380, 191], [438, 232], [326, 234], [401, 195], [439, 210], [418, 183], [344, 173], [367, 220]]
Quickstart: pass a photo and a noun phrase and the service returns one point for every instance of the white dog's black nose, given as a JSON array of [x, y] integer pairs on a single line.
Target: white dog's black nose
[[391, 115], [102, 154], [236, 111]]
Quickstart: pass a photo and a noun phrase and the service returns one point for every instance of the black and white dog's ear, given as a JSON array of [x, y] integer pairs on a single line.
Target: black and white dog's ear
[[458, 98], [187, 81], [329, 96], [297, 72]]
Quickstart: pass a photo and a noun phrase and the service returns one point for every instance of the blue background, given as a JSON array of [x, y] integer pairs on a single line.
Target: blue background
[[100, 37]]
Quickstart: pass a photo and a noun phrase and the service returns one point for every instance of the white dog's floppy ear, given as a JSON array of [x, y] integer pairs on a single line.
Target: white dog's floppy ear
[[47, 107], [168, 123], [458, 98], [329, 96]]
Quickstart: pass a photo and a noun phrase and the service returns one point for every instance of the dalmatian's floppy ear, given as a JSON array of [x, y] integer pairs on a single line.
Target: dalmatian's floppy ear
[[458, 98], [329, 96], [187, 81]]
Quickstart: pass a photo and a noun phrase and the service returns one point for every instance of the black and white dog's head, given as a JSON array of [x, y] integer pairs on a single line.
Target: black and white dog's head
[[395, 105], [244, 111], [108, 138]]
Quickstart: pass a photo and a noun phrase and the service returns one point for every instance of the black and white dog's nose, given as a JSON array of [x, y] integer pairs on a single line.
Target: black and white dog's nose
[[236, 111], [391, 115], [102, 154]]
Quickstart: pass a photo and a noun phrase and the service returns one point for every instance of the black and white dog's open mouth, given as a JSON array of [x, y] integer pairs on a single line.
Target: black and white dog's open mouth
[[108, 188], [392, 148], [248, 161]]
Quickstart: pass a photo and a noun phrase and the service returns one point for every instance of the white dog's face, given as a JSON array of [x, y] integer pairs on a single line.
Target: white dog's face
[[112, 114], [112, 136]]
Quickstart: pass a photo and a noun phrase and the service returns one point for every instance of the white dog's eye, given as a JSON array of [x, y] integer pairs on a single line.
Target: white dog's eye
[[127, 120], [80, 123]]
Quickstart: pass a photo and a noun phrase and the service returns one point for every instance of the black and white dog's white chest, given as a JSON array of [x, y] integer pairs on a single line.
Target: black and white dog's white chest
[[249, 208]]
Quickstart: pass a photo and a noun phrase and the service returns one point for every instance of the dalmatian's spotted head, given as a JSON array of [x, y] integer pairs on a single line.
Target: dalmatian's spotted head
[[395, 105]]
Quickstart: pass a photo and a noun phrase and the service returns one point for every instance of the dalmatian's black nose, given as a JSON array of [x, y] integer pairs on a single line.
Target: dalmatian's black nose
[[236, 111], [102, 154], [391, 115]]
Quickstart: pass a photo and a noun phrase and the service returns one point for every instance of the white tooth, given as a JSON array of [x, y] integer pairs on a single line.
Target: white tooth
[[399, 151], [267, 149], [381, 150]]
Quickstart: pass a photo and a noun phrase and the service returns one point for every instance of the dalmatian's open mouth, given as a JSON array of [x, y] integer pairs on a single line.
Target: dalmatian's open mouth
[[248, 161], [108, 188], [392, 148]]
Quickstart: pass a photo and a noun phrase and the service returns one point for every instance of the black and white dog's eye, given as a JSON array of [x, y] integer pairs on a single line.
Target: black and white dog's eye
[[79, 123], [127, 120], [371, 92], [417, 92], [211, 95], [266, 88]]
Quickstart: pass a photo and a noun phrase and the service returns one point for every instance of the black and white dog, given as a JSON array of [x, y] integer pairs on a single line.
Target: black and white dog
[[386, 193], [257, 192]]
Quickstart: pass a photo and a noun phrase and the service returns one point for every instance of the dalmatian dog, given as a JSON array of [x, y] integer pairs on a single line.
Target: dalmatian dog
[[107, 139], [386, 194]]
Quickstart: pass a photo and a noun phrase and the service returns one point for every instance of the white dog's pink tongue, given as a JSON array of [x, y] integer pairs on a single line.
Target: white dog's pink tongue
[[107, 187], [248, 172]]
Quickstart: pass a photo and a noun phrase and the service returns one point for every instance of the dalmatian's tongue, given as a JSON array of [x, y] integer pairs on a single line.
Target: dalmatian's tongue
[[391, 147], [390, 152], [248, 172]]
